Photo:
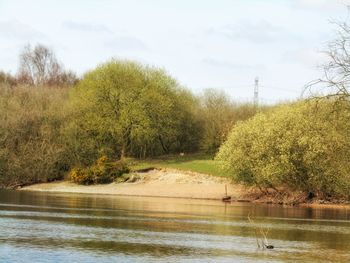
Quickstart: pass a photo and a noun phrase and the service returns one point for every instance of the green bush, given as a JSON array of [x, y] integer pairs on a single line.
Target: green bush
[[303, 146], [101, 172]]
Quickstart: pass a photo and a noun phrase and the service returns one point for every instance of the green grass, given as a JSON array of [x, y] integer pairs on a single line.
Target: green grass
[[199, 163]]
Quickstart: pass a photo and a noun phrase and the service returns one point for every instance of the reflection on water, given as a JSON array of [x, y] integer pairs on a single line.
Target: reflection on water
[[44, 227]]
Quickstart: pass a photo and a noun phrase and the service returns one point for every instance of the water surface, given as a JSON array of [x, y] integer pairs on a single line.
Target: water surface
[[48, 227]]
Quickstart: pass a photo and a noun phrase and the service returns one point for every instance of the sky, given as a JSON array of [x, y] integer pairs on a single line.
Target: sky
[[222, 44]]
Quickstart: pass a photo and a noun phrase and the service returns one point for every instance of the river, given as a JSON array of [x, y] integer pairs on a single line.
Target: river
[[49, 227]]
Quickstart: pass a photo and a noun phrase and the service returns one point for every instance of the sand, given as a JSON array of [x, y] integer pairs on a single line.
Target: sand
[[154, 183], [178, 184]]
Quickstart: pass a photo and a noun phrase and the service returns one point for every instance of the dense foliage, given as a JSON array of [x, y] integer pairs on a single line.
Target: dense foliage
[[303, 146], [31, 147], [124, 108], [119, 109], [101, 172]]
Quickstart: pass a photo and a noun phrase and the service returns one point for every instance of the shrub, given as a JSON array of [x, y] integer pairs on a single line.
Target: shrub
[[81, 176], [101, 172], [304, 146]]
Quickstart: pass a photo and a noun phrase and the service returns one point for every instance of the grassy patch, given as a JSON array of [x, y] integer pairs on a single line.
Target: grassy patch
[[199, 163]]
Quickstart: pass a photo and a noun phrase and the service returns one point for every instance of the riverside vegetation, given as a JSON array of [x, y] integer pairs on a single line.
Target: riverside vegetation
[[300, 146], [51, 129], [54, 125]]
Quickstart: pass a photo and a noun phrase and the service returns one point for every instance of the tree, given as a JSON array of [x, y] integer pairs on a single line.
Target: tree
[[303, 146], [219, 114], [129, 109], [39, 66], [336, 72]]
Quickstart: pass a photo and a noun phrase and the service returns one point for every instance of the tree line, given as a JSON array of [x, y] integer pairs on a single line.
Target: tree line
[[51, 121]]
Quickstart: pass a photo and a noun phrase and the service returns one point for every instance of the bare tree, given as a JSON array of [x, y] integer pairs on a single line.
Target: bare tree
[[38, 66], [336, 72]]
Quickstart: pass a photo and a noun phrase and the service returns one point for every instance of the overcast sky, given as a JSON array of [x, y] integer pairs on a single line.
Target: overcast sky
[[202, 43]]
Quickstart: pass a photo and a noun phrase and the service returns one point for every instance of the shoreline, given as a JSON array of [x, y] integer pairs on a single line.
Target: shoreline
[[171, 183], [168, 183]]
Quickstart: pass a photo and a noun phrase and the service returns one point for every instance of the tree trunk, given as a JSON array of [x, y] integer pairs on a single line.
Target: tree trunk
[[165, 149]]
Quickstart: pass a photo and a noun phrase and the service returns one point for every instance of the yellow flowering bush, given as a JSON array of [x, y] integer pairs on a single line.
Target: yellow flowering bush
[[81, 176], [101, 172]]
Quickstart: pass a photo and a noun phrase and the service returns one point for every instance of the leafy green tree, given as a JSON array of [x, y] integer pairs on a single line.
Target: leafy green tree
[[303, 146], [124, 108]]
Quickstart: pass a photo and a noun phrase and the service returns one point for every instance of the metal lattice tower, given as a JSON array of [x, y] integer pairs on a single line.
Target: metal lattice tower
[[256, 92]]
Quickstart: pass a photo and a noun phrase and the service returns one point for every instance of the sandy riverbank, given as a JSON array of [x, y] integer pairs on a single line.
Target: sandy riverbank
[[154, 183], [183, 184]]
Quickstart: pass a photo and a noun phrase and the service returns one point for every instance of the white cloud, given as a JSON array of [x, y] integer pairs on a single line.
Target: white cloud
[[229, 65], [14, 29], [324, 5], [306, 56], [126, 43], [85, 27], [258, 32]]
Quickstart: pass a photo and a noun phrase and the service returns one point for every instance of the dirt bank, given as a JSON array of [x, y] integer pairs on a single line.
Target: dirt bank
[[157, 183]]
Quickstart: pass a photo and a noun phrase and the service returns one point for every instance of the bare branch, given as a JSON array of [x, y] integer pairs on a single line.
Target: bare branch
[[38, 66], [336, 72]]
